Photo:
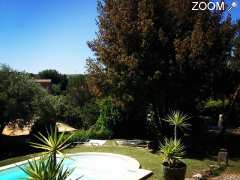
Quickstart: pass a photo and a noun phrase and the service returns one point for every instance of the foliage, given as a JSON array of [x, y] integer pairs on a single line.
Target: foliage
[[80, 117], [172, 151], [73, 116], [82, 110], [59, 81], [153, 124], [79, 136], [89, 114], [178, 120], [211, 103], [48, 109], [56, 89], [160, 52], [53, 143], [109, 115], [77, 90], [92, 133], [211, 108], [102, 133], [18, 91], [48, 167], [215, 106], [44, 169], [52, 74]]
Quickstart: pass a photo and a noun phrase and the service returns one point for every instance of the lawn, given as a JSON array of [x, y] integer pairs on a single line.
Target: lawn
[[147, 160]]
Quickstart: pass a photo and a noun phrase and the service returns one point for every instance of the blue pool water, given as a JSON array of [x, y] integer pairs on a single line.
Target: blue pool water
[[12, 173], [91, 166]]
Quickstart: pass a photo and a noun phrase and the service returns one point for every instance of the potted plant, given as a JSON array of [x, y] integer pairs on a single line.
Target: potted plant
[[173, 168], [178, 120], [173, 149]]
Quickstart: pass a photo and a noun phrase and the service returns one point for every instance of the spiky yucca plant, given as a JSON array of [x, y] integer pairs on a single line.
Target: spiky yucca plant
[[52, 144], [172, 151], [46, 169], [178, 120]]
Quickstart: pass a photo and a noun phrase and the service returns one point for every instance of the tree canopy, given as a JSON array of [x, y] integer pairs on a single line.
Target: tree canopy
[[160, 53], [17, 93]]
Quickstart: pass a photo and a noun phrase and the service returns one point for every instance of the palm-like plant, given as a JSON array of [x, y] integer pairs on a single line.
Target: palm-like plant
[[172, 151], [178, 120], [47, 168], [44, 169], [53, 144]]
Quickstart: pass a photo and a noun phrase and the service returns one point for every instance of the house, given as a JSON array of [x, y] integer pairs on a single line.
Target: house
[[45, 83]]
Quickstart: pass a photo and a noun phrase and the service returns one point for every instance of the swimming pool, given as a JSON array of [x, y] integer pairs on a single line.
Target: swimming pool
[[91, 166]]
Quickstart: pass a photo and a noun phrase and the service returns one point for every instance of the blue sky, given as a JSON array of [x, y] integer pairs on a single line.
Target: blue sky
[[43, 34], [49, 34]]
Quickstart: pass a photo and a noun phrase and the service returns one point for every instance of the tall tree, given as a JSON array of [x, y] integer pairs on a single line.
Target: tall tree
[[17, 94], [59, 80], [158, 52], [82, 108], [78, 91], [52, 74]]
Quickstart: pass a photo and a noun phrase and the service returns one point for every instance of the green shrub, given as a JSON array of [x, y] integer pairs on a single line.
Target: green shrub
[[213, 104], [92, 133], [211, 108], [102, 133], [109, 116], [80, 135]]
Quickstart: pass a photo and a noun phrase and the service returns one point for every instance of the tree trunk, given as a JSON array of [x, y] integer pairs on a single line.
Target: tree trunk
[[175, 133]]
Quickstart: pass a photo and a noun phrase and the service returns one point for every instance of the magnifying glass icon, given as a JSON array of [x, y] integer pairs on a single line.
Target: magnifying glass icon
[[233, 5]]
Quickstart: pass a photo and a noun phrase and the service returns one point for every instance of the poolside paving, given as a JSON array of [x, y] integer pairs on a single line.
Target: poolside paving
[[95, 142]]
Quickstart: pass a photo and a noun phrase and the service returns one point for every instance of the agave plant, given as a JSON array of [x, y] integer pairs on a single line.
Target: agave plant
[[172, 151], [178, 120], [46, 169]]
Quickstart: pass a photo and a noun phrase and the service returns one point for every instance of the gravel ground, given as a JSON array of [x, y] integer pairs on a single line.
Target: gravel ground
[[227, 177], [224, 176]]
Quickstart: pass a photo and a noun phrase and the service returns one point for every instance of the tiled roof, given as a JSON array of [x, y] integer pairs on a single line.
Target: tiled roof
[[43, 80]]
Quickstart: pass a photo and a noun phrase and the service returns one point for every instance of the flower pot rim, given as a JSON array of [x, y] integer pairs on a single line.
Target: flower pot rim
[[182, 165]]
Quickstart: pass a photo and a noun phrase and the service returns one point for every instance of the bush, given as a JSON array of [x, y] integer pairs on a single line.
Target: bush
[[83, 135], [102, 133], [80, 135], [48, 109], [213, 104], [18, 91], [109, 116], [80, 117], [213, 107]]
